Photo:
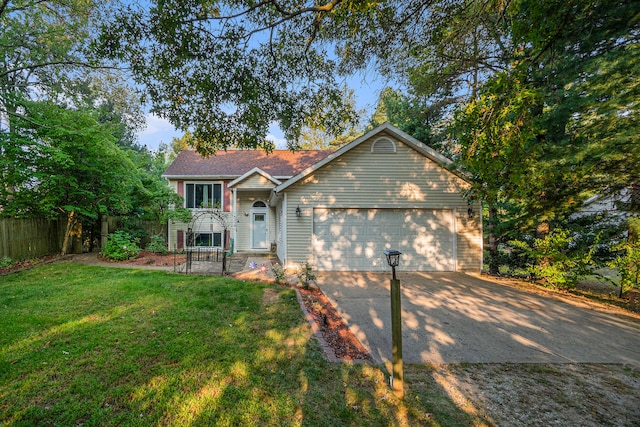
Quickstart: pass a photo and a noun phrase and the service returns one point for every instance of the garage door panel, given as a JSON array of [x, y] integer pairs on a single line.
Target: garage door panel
[[345, 239], [355, 231]]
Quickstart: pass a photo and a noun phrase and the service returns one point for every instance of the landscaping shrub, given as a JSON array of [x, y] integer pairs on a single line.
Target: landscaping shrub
[[157, 245], [306, 275], [279, 274], [556, 260], [628, 260], [121, 246], [5, 261]]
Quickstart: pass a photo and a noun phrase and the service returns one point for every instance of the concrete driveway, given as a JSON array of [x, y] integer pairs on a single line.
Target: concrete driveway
[[455, 317]]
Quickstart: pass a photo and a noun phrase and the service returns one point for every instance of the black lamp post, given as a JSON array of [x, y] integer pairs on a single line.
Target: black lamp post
[[397, 380], [393, 258]]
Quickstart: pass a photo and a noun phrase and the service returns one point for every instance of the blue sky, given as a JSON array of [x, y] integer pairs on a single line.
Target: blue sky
[[367, 90]]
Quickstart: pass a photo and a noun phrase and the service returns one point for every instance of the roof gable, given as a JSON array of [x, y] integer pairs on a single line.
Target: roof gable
[[255, 172], [235, 163], [384, 129]]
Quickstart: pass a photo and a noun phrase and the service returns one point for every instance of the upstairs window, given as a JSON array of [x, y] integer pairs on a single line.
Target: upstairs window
[[203, 196]]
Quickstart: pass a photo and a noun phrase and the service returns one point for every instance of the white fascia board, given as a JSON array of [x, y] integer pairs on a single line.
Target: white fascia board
[[200, 177], [253, 171]]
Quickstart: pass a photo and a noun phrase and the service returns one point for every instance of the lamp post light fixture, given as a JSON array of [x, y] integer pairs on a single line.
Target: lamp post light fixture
[[393, 258], [298, 212], [397, 379]]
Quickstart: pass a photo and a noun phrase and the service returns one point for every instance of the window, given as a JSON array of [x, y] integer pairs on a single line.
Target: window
[[208, 239], [203, 196]]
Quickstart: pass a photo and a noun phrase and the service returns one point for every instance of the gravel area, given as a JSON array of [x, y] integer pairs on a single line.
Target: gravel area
[[585, 395]]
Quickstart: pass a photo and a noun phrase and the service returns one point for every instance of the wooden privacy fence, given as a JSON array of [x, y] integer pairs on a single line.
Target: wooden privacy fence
[[111, 224], [28, 238]]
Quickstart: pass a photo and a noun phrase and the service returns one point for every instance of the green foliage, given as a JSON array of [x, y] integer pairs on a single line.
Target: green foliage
[[306, 275], [41, 46], [121, 246], [555, 260], [415, 115], [628, 259], [58, 160], [5, 261], [232, 97], [157, 245], [279, 274]]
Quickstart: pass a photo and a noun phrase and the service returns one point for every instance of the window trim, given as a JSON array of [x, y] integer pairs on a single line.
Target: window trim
[[213, 183], [210, 233]]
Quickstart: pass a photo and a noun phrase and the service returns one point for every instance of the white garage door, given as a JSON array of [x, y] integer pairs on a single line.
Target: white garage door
[[355, 239]]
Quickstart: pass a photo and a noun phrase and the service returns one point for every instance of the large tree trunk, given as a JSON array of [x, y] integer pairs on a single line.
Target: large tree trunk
[[71, 231]]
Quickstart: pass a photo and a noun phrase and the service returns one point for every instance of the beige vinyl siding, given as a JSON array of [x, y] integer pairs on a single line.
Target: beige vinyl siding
[[362, 179], [200, 223], [172, 240], [244, 200], [256, 181]]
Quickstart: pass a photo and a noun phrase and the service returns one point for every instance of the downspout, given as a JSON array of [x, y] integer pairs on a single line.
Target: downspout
[[285, 243], [235, 220]]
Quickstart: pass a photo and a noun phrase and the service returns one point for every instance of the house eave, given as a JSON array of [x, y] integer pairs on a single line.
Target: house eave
[[201, 177]]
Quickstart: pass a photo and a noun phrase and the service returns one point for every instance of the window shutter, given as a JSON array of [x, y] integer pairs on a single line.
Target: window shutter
[[180, 239]]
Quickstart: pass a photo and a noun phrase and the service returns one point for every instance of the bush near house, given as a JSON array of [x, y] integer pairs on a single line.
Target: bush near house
[[121, 246], [157, 245]]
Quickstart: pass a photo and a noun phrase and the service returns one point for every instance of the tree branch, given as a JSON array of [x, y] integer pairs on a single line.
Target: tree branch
[[55, 63]]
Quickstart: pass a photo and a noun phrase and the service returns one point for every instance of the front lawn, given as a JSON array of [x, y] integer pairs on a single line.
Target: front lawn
[[92, 346]]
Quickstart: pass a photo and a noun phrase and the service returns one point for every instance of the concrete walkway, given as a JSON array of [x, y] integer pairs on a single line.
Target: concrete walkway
[[454, 318]]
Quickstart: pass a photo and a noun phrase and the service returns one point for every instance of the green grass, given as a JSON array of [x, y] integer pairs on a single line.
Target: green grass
[[94, 346]]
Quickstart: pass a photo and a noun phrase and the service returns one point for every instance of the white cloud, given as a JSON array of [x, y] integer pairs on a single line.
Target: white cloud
[[158, 130]]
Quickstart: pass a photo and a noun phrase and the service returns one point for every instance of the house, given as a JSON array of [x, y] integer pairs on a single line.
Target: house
[[610, 205], [337, 210]]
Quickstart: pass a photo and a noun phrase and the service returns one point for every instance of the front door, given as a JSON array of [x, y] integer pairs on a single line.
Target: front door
[[259, 230]]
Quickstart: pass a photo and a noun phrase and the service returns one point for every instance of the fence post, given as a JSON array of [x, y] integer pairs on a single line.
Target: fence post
[[104, 231]]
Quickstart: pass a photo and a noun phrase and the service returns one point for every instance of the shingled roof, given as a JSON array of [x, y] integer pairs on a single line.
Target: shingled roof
[[234, 163]]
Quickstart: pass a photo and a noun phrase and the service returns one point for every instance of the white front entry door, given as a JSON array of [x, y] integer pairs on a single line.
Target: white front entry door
[[259, 230]]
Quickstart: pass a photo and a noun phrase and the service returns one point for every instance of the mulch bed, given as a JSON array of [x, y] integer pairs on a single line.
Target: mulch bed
[[334, 329], [21, 265], [150, 258]]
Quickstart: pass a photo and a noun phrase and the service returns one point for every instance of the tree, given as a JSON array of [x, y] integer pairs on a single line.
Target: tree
[[315, 135], [227, 70], [63, 164], [418, 116], [43, 49], [560, 124]]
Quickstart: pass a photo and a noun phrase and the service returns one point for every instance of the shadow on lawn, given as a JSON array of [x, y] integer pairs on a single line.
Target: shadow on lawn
[[107, 347]]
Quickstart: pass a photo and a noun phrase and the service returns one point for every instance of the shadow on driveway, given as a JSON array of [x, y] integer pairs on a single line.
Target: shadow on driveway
[[456, 318]]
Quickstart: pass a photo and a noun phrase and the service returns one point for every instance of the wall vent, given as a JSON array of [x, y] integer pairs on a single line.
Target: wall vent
[[383, 146]]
